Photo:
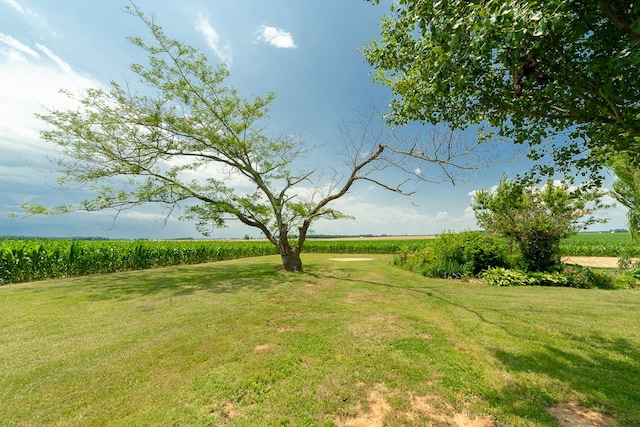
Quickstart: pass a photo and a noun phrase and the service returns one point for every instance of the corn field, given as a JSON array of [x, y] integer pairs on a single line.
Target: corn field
[[600, 244], [27, 260]]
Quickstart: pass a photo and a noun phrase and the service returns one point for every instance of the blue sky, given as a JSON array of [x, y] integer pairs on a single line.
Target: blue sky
[[306, 51]]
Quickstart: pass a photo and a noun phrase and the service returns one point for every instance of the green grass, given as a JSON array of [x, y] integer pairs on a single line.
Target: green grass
[[242, 343]]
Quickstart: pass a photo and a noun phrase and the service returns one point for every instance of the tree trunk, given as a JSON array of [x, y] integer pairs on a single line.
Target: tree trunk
[[290, 257], [291, 262]]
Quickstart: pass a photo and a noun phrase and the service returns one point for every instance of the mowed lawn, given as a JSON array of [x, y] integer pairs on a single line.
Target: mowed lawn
[[242, 343]]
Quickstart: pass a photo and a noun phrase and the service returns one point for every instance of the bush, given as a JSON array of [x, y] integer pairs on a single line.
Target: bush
[[626, 281], [466, 254], [414, 260], [573, 276], [498, 276], [455, 255], [548, 279]]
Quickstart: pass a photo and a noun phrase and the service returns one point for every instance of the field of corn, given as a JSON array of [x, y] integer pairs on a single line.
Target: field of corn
[[27, 260]]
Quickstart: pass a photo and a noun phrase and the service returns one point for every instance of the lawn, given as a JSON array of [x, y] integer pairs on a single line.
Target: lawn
[[242, 343]]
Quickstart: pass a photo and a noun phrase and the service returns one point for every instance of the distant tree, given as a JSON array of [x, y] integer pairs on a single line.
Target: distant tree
[[626, 190], [185, 138], [530, 69], [536, 219]]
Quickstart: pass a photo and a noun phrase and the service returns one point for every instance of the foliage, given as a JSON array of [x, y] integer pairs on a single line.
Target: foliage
[[629, 280], [573, 276], [536, 219], [628, 272], [456, 255], [186, 140], [626, 190], [500, 276], [415, 260], [532, 70]]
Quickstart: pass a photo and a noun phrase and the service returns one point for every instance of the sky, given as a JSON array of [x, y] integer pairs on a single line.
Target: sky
[[307, 52]]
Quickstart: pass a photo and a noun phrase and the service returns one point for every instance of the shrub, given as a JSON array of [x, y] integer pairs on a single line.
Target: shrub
[[414, 260], [574, 276], [629, 273], [548, 279], [498, 276], [626, 280], [604, 280], [466, 254]]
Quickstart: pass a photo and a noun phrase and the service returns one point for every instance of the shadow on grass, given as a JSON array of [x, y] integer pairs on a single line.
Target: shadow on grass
[[430, 292], [602, 371], [185, 280]]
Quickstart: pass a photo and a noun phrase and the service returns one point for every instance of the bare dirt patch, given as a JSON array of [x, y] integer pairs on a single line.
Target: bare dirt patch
[[429, 407], [592, 261], [571, 415], [262, 347], [406, 237]]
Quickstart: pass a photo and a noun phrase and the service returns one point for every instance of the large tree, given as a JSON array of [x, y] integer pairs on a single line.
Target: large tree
[[530, 69], [182, 139]]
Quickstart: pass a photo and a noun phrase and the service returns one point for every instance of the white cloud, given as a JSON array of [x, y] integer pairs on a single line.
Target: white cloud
[[383, 216], [16, 50], [32, 86], [55, 58], [33, 17], [15, 5], [213, 40], [276, 37]]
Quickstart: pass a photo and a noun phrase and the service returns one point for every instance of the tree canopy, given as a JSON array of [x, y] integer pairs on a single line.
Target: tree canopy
[[529, 69]]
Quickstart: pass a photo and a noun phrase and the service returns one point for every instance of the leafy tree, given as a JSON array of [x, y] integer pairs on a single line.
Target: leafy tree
[[536, 219], [529, 69], [185, 140], [626, 190], [188, 140]]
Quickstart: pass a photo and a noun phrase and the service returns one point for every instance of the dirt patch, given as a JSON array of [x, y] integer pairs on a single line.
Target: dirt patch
[[429, 407], [378, 408], [262, 347], [592, 261], [412, 237], [350, 259], [571, 415]]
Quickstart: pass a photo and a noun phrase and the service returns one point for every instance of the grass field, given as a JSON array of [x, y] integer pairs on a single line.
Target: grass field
[[242, 343]]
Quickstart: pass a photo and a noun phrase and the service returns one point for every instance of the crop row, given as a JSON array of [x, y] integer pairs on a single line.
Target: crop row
[[600, 244], [26, 260]]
